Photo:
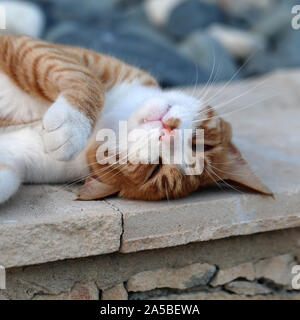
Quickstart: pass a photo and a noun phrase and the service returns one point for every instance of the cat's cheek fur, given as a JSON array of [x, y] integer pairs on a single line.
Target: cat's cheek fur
[[66, 130], [9, 183]]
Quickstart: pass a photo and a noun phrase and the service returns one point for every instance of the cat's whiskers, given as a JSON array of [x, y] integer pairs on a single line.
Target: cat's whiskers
[[213, 81], [126, 156], [248, 91], [222, 105], [210, 82], [222, 171], [234, 111], [214, 180], [241, 95], [196, 79], [221, 179], [80, 179], [233, 76], [203, 91]]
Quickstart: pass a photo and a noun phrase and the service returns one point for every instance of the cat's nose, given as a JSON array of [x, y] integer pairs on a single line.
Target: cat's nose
[[167, 131], [167, 127], [170, 123]]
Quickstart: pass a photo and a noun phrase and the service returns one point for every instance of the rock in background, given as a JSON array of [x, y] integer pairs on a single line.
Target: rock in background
[[210, 55], [23, 17], [192, 15], [181, 42]]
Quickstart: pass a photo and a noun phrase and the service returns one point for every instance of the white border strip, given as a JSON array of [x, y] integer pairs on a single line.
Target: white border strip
[[2, 18]]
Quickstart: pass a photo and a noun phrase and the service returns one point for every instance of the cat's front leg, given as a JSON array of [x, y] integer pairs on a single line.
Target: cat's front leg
[[66, 130]]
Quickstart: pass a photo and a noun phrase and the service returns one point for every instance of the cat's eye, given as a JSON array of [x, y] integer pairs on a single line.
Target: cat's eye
[[207, 147]]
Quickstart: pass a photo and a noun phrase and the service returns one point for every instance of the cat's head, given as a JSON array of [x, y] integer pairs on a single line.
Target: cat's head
[[158, 120]]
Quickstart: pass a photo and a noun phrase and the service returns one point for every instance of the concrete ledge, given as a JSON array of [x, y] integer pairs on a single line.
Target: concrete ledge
[[206, 219], [43, 224]]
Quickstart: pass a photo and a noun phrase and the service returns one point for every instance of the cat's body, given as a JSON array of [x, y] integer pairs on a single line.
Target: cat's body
[[53, 101], [25, 141]]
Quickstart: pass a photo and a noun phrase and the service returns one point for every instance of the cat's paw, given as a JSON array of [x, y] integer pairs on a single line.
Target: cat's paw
[[66, 130], [9, 183]]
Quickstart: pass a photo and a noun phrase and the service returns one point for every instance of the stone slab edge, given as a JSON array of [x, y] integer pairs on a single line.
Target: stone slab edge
[[262, 223], [82, 235], [175, 239]]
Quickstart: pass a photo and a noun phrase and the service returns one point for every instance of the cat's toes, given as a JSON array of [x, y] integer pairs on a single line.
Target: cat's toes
[[9, 183], [66, 131]]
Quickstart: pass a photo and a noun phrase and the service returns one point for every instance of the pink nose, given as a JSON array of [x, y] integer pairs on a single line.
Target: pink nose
[[165, 126]]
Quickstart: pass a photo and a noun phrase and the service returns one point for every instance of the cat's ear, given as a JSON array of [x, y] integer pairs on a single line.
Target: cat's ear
[[94, 189], [239, 171]]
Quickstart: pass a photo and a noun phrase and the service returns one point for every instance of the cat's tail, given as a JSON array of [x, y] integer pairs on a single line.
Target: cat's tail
[[17, 17]]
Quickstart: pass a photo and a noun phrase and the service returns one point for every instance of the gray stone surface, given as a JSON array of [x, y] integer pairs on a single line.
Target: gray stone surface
[[87, 291], [247, 288], [117, 292], [43, 223], [182, 278], [245, 271], [277, 269]]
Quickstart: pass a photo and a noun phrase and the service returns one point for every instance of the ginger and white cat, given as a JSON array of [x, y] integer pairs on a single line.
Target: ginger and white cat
[[54, 99]]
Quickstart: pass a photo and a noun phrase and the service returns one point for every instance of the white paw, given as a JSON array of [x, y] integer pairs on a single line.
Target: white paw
[[66, 130], [9, 184]]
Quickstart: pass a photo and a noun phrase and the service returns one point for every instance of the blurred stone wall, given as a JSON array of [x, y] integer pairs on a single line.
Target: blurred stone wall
[[181, 42]]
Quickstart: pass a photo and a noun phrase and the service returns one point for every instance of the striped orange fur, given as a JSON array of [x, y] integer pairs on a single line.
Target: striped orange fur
[[46, 70]]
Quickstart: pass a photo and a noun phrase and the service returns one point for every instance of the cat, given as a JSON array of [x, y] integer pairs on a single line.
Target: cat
[[55, 98]]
